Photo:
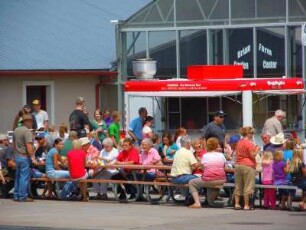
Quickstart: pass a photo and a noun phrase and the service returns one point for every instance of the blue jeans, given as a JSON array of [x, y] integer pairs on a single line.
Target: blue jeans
[[35, 173], [184, 179], [150, 176], [58, 174], [22, 177]]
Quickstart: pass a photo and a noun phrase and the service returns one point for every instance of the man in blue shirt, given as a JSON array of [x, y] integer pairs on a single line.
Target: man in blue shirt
[[136, 125]]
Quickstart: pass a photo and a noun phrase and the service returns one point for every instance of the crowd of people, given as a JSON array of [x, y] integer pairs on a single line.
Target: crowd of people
[[206, 162]]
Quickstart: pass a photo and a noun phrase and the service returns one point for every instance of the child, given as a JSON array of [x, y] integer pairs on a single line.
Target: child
[[267, 178], [298, 174], [280, 169]]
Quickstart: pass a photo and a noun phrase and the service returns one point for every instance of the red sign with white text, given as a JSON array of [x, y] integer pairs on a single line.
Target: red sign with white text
[[215, 84]]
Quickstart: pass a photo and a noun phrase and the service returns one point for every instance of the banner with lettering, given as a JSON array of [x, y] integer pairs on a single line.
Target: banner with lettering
[[270, 52]]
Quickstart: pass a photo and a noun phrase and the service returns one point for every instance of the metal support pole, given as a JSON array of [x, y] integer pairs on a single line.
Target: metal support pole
[[247, 108]]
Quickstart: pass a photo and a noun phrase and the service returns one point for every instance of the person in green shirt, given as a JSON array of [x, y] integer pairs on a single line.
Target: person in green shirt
[[73, 135], [114, 129], [98, 125]]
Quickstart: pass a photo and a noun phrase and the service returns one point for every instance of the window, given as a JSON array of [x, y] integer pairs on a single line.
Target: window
[[241, 49], [295, 52], [192, 49], [270, 52], [135, 49], [162, 48]]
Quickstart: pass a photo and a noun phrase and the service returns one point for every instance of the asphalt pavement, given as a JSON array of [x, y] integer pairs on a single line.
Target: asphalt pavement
[[53, 214]]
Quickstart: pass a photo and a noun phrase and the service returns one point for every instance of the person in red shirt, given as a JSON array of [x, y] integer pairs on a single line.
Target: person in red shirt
[[245, 167], [76, 163], [128, 156]]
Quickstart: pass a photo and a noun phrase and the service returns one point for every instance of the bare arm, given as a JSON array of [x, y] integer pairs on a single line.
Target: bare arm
[[57, 161], [2, 177], [254, 152], [124, 162], [31, 152], [46, 124], [11, 164], [195, 166]]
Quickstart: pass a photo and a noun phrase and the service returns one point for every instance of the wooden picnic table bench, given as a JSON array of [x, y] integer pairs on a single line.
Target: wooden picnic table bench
[[162, 185]]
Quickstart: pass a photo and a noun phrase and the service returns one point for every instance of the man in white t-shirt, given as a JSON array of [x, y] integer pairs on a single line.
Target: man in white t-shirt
[[41, 116]]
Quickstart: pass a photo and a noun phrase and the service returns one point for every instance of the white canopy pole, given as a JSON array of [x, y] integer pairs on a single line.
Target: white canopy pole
[[247, 108]]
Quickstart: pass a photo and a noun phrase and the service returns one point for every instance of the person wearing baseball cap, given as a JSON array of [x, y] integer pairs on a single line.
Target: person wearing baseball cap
[[216, 128], [41, 116], [24, 152]]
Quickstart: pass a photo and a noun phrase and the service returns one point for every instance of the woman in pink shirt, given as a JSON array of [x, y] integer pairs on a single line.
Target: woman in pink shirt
[[149, 156], [213, 176], [245, 167]]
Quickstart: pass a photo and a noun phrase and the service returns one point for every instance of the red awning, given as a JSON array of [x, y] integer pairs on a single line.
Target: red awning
[[216, 85]]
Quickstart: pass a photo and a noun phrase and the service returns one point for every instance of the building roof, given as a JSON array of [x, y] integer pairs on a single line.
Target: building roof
[[60, 34]]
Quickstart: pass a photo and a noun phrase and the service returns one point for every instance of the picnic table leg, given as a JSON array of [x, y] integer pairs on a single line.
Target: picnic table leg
[[230, 201], [57, 189], [140, 188], [260, 196], [289, 201], [168, 194]]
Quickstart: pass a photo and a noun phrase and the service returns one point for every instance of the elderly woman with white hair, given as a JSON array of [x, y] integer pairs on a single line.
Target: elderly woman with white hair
[[108, 155], [149, 156]]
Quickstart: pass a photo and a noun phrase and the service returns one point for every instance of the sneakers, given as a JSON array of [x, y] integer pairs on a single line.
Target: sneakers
[[122, 198], [28, 199]]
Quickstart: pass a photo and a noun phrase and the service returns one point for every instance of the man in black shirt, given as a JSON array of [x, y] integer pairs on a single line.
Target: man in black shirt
[[215, 128], [78, 119]]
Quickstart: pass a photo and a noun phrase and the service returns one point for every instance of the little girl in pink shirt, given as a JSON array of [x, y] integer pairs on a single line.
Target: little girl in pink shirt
[[267, 178]]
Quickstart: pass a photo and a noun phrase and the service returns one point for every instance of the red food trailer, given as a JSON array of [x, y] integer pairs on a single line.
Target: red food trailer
[[207, 81]]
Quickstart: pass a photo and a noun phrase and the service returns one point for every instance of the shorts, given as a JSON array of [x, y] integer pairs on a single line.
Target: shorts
[[244, 180]]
